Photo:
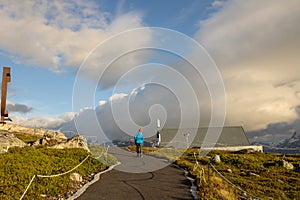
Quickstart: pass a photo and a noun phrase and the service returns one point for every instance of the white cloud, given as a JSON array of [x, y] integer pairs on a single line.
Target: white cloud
[[256, 45], [116, 97], [56, 34], [43, 122], [101, 103]]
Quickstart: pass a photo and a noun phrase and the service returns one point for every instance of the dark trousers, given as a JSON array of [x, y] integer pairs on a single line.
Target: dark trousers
[[139, 148]]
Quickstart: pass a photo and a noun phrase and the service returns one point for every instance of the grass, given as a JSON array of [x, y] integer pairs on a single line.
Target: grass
[[100, 153], [19, 165], [27, 138], [256, 173]]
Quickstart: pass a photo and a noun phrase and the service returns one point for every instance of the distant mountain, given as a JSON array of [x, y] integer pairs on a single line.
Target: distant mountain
[[289, 145], [292, 142]]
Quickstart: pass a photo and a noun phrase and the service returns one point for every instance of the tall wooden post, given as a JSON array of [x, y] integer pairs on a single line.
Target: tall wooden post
[[5, 80]]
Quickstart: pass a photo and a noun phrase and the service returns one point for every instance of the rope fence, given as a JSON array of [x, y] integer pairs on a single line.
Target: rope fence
[[27, 187], [61, 174], [202, 177], [64, 173], [197, 165], [103, 152], [232, 184]]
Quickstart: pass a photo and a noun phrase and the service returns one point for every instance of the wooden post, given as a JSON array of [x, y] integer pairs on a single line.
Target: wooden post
[[5, 80]]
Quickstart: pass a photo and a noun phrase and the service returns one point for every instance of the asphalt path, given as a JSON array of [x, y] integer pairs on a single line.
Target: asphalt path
[[139, 178]]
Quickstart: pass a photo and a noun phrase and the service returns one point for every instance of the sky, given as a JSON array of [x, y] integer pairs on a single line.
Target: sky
[[59, 52]]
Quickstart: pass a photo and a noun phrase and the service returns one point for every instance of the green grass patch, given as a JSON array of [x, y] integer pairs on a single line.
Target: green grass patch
[[99, 153], [27, 139], [257, 173], [19, 165]]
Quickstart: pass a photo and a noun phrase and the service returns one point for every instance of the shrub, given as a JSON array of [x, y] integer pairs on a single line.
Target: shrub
[[19, 165]]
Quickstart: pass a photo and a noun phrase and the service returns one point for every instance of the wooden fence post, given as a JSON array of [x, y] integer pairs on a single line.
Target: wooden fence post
[[5, 80]]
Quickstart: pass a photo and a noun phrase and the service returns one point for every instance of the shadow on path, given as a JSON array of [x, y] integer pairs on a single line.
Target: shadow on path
[[134, 179]]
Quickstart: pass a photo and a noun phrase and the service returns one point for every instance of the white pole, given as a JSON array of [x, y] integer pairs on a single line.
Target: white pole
[[158, 123]]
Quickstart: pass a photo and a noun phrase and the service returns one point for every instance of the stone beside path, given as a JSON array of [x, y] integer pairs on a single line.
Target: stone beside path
[[139, 178]]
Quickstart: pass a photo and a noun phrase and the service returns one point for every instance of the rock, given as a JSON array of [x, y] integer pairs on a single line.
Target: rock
[[243, 174], [37, 132], [8, 140], [75, 180], [280, 181], [49, 140], [286, 164], [77, 141], [253, 174], [216, 159]]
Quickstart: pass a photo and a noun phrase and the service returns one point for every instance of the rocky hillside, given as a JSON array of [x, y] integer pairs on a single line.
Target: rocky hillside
[[289, 145], [292, 142], [12, 135]]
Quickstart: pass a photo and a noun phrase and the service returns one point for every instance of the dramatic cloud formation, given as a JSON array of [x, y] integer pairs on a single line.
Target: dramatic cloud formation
[[256, 45], [57, 34], [43, 122]]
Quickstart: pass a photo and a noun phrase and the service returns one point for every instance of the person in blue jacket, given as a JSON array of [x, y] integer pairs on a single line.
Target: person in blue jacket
[[139, 140]]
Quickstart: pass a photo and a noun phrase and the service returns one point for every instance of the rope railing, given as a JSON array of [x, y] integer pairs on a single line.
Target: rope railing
[[232, 184], [197, 165], [64, 173], [51, 176], [32, 179], [103, 152], [61, 174]]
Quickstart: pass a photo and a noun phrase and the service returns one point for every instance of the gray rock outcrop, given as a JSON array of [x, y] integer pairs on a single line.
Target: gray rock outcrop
[[37, 132], [77, 141], [8, 140], [47, 138]]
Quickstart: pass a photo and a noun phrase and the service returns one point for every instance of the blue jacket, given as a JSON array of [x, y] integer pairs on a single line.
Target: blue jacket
[[138, 138]]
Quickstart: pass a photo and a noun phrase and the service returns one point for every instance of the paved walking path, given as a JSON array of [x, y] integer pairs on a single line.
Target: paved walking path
[[139, 178]]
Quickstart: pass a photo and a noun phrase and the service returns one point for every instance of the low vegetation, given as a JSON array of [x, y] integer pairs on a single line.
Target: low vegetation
[[27, 138], [257, 174], [100, 153], [19, 165]]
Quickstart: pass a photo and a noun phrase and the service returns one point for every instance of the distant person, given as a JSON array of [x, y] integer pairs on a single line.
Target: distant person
[[158, 138], [139, 140]]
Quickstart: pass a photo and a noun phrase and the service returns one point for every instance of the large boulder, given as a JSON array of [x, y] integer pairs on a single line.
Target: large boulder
[[8, 140], [77, 141]]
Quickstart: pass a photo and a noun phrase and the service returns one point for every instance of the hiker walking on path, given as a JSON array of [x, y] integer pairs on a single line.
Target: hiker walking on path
[[158, 138], [139, 140]]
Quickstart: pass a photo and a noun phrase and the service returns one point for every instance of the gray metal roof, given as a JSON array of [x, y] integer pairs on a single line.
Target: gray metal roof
[[204, 137]]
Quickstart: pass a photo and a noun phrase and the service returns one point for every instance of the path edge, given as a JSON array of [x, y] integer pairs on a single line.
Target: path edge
[[96, 178]]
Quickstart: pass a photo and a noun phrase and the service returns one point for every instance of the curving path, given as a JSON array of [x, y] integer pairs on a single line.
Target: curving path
[[136, 179]]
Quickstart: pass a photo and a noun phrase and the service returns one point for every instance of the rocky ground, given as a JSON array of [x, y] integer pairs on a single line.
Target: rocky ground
[[12, 135]]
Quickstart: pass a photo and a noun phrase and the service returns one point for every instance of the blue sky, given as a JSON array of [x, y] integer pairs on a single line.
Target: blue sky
[[40, 87], [254, 44]]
